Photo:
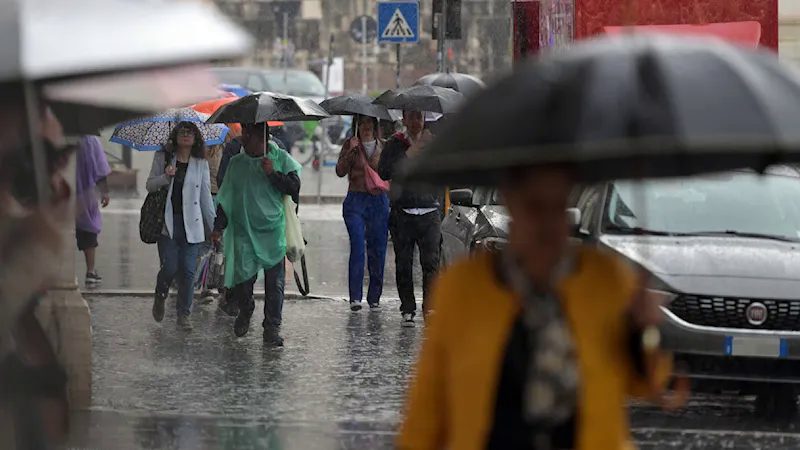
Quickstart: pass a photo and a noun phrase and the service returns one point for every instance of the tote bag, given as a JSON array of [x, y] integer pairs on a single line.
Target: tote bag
[[295, 244], [151, 218], [374, 183]]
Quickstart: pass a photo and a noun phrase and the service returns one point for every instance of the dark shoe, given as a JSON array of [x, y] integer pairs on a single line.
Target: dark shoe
[[184, 323], [241, 326], [158, 307], [374, 307], [408, 320], [228, 307], [355, 306], [92, 278], [271, 337]]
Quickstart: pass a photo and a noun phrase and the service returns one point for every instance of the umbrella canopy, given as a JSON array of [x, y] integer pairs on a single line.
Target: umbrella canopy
[[461, 82], [348, 105], [151, 133], [422, 98], [45, 39], [235, 89], [268, 106], [622, 107], [211, 106], [85, 105]]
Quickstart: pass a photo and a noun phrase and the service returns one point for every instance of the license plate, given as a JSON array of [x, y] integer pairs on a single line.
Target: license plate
[[764, 347]]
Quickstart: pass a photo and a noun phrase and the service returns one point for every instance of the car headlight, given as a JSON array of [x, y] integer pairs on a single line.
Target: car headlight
[[490, 244]]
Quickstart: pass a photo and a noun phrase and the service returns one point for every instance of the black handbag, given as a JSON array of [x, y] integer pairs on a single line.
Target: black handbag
[[151, 219]]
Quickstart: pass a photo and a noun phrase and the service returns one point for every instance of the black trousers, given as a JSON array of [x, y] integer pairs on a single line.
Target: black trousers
[[408, 231]]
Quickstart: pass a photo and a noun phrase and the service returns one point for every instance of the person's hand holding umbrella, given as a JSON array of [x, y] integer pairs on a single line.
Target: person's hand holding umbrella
[[267, 166]]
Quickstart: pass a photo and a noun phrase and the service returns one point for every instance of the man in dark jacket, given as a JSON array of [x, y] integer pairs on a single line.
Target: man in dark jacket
[[414, 219]]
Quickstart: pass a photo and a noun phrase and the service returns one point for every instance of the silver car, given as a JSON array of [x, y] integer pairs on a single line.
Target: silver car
[[724, 254]]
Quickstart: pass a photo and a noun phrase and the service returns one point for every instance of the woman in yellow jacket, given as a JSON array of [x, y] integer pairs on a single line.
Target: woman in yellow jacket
[[539, 346]]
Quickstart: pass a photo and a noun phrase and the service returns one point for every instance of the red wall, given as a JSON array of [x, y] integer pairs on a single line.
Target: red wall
[[592, 15]]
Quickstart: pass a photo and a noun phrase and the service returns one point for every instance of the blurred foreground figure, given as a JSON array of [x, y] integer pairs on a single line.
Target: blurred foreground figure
[[33, 405], [538, 346]]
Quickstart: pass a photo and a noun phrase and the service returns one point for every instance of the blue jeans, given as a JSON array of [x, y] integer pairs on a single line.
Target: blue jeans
[[178, 258], [274, 283], [367, 219]]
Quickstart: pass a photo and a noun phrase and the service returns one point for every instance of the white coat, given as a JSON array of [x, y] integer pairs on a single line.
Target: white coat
[[198, 206]]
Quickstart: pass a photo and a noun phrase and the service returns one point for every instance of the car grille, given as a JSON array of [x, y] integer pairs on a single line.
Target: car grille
[[730, 312]]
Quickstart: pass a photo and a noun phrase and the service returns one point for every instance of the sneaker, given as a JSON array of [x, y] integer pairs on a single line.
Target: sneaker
[[408, 320], [374, 307], [158, 307], [241, 326], [93, 278], [271, 337], [184, 323], [355, 306], [207, 297]]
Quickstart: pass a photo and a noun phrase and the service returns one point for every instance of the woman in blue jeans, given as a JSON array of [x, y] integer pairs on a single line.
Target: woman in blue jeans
[[365, 215], [189, 214]]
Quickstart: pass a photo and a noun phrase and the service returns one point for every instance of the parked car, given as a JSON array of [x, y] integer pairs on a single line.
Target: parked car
[[724, 254]]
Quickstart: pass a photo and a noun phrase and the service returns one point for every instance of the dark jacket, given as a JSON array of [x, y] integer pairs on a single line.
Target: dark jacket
[[393, 155]]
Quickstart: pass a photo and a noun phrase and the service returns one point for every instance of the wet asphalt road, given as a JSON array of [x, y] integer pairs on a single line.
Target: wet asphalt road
[[338, 384]]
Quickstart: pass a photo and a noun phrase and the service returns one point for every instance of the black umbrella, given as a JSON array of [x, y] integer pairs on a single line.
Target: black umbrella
[[461, 82], [625, 107], [422, 98], [266, 106], [348, 105]]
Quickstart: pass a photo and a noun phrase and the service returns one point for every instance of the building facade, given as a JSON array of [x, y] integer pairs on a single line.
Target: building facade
[[298, 33], [789, 31]]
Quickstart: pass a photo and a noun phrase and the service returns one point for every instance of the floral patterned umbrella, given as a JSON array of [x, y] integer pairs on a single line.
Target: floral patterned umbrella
[[151, 133]]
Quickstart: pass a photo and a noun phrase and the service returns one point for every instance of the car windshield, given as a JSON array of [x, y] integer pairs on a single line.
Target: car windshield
[[733, 203], [295, 83]]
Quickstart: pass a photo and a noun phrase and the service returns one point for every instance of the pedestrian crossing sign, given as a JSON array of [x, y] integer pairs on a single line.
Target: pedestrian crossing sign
[[398, 22]]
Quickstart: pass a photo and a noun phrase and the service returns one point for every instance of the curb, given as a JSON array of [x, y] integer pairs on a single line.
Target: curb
[[95, 293]]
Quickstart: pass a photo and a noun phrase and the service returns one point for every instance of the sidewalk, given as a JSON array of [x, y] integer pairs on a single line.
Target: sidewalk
[[340, 382]]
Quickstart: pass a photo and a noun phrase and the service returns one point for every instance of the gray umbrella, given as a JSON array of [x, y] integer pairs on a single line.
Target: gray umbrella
[[266, 106], [422, 98], [348, 105], [623, 107], [461, 82]]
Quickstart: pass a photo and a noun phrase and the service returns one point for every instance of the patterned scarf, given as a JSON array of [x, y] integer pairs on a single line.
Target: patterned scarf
[[551, 389]]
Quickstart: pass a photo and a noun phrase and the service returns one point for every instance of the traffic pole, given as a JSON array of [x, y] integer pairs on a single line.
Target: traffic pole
[[364, 88], [397, 74]]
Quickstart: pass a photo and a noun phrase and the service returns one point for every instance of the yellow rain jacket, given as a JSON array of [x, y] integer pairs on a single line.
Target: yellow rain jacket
[[452, 398]]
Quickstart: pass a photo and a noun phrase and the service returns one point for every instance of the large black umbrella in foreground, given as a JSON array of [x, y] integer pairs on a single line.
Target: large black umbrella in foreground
[[461, 82], [625, 107], [268, 106], [422, 98], [348, 105]]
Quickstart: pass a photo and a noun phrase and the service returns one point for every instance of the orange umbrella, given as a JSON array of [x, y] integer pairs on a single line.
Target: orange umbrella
[[211, 106]]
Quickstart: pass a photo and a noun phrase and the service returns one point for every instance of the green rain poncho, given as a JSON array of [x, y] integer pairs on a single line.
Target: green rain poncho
[[255, 237]]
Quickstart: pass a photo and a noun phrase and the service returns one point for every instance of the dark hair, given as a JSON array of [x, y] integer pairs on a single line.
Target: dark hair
[[376, 130], [199, 146], [258, 129]]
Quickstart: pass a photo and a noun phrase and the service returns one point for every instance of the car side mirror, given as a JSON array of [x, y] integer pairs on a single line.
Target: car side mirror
[[461, 197]]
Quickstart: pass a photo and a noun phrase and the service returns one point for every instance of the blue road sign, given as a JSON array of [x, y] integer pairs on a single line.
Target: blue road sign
[[398, 22]]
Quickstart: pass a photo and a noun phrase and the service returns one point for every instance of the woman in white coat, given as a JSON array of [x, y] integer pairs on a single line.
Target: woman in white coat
[[188, 215]]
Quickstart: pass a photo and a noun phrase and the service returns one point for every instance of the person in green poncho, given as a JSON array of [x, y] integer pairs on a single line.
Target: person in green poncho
[[250, 211]]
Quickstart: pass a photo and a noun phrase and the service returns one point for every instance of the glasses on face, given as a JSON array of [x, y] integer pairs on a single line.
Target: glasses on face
[[185, 132]]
